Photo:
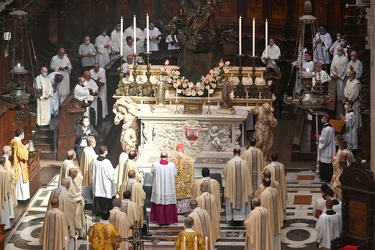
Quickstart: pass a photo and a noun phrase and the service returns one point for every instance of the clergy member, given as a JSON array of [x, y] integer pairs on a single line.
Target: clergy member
[[83, 130], [163, 198], [76, 191], [274, 184], [352, 93], [328, 227], [336, 183], [273, 54], [269, 200], [202, 223], [326, 149], [103, 46], [278, 174], [98, 75], [4, 194], [338, 73], [319, 204], [258, 231], [103, 176], [184, 179], [213, 186], [154, 38], [93, 88], [67, 164], [322, 42], [56, 78], [207, 202], [120, 169], [354, 64], [238, 189], [138, 195], [87, 53], [88, 156], [68, 205], [19, 163], [43, 104], [8, 167], [116, 41], [131, 164], [255, 163], [139, 39], [121, 221], [54, 233], [61, 63], [321, 79], [330, 195], [102, 234], [130, 208], [186, 238], [350, 119]]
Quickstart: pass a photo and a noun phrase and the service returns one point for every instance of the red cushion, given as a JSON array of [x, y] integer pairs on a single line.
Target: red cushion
[[349, 247]]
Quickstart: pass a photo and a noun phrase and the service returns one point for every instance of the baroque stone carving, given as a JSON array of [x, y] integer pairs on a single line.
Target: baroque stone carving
[[126, 110]]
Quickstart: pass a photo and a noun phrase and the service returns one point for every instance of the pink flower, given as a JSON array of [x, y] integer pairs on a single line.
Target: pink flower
[[166, 62], [208, 76], [218, 78], [175, 85], [178, 82], [226, 71], [207, 87], [178, 73], [211, 71], [213, 85], [221, 64], [169, 80], [184, 85], [227, 63]]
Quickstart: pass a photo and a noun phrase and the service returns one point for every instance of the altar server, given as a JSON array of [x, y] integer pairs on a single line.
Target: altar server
[[4, 194], [352, 93], [322, 42], [186, 238], [61, 63], [273, 54], [154, 37], [139, 39], [351, 132], [56, 79], [116, 41], [55, 228], [103, 46], [43, 103]]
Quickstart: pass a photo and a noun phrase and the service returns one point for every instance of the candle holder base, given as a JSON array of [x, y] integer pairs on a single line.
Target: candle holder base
[[176, 111]]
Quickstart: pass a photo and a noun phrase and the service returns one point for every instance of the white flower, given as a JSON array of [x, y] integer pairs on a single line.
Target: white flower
[[188, 93], [211, 91], [200, 92], [179, 91], [190, 84], [193, 93], [198, 84]]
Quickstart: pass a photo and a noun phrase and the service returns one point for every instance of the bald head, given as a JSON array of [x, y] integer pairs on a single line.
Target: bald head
[[189, 222], [131, 174], [116, 202], [204, 186], [55, 202], [255, 202], [65, 182], [73, 173]]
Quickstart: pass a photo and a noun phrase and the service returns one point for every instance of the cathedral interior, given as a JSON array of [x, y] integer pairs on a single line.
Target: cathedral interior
[[33, 31]]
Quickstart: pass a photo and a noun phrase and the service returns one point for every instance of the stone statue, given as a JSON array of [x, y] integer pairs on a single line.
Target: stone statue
[[126, 110], [226, 89], [263, 133]]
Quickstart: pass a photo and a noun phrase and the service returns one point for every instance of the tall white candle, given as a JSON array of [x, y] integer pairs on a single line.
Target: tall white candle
[[253, 37], [135, 35], [87, 243], [196, 243], [240, 35], [184, 242], [148, 33], [76, 241], [122, 37], [206, 242], [266, 35]]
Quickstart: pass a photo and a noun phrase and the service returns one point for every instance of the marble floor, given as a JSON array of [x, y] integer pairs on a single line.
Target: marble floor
[[298, 231]]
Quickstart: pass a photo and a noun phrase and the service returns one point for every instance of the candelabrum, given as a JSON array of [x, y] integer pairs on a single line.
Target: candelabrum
[[253, 90], [147, 87], [133, 90], [240, 89], [176, 111]]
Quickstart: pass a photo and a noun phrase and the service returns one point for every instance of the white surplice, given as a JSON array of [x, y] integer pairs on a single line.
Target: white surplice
[[321, 53], [352, 91], [43, 106], [64, 86], [338, 67], [351, 134], [328, 228], [273, 52], [103, 53], [327, 144], [116, 43], [171, 44], [357, 67], [103, 89], [139, 33], [103, 176], [154, 44], [163, 188], [55, 104]]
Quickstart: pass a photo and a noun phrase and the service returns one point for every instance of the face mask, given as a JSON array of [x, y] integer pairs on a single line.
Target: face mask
[[351, 78], [339, 53], [322, 32], [10, 154], [322, 120], [342, 44], [130, 62], [152, 27], [118, 28], [22, 137], [271, 44], [346, 106], [104, 33], [338, 38], [44, 74], [353, 58], [86, 124], [87, 42], [60, 56]]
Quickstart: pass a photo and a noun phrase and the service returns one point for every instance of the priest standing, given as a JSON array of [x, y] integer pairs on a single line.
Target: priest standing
[[98, 74], [55, 228], [8, 167], [103, 46], [213, 186], [184, 179], [131, 164], [322, 43], [61, 63], [238, 189], [258, 229], [351, 133], [4, 194], [19, 163], [269, 200], [68, 164], [88, 156], [139, 39], [102, 234], [163, 198], [270, 57], [43, 104], [154, 37], [255, 163], [326, 149], [121, 221], [130, 208], [120, 169], [352, 92]]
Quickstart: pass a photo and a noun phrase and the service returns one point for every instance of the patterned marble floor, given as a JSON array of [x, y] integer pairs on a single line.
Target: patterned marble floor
[[298, 231]]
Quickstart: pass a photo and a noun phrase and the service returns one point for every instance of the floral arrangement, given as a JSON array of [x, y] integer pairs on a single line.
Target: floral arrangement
[[207, 85]]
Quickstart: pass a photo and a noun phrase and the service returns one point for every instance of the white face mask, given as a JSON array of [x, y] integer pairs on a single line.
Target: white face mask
[[346, 106], [22, 137], [86, 124]]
